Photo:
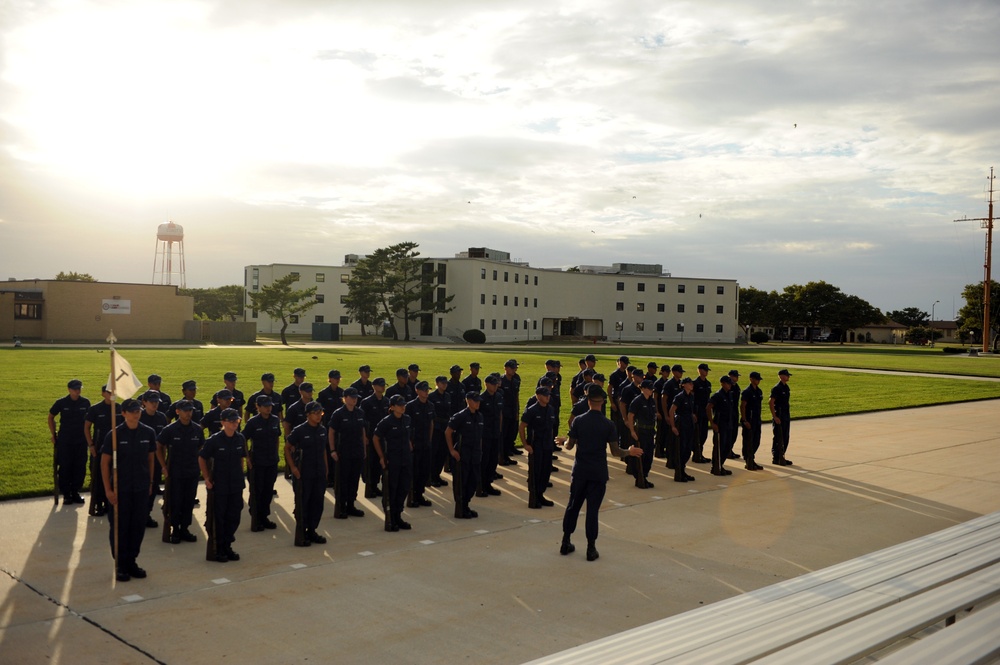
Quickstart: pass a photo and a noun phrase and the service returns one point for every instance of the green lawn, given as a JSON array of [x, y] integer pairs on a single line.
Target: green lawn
[[32, 379]]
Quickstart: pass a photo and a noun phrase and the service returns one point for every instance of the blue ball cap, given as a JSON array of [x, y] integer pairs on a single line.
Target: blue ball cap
[[229, 415], [314, 407], [229, 376], [264, 400], [74, 384], [131, 405], [397, 400], [473, 395], [225, 393]]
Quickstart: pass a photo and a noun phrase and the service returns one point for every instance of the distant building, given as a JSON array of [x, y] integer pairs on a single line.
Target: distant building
[[62, 311], [512, 301]]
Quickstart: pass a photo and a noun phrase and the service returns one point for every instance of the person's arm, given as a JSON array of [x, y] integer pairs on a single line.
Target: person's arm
[[152, 467], [743, 414], [106, 477], [670, 419], [161, 455], [630, 424], [52, 427], [377, 444], [774, 414], [522, 433], [290, 460], [91, 448], [710, 412], [205, 473], [449, 439], [331, 435]]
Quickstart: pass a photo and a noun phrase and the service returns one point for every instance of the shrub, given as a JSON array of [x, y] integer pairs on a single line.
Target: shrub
[[951, 349], [474, 336], [759, 337]]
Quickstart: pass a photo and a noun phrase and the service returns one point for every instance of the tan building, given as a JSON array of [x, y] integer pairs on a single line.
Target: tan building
[[57, 311]]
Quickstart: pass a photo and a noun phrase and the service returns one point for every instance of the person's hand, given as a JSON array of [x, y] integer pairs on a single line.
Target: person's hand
[[715, 428], [112, 498], [528, 449], [456, 455], [635, 451], [382, 461], [777, 420], [334, 455], [209, 484], [297, 474], [673, 428]]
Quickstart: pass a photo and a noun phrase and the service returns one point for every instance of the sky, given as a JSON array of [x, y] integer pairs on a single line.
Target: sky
[[768, 141]]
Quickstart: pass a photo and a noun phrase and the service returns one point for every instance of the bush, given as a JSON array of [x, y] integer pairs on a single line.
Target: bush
[[951, 349], [474, 336], [759, 337]]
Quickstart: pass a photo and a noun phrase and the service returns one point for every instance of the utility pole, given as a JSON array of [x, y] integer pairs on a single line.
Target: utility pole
[[986, 223]]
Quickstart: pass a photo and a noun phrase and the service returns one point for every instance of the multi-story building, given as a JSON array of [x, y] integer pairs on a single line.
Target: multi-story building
[[515, 302]]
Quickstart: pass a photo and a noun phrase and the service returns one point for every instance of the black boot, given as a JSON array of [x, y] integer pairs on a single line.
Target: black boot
[[566, 547], [592, 554]]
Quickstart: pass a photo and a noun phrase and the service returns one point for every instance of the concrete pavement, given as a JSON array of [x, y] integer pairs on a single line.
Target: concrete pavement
[[495, 589]]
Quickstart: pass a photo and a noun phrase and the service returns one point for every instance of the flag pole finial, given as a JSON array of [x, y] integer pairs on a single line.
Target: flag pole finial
[[111, 338]]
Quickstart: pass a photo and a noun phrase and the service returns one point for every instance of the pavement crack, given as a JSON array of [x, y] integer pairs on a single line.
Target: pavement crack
[[74, 613]]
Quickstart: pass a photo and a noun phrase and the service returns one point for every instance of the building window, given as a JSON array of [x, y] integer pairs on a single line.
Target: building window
[[680, 288], [505, 276], [642, 286], [505, 301], [534, 324], [701, 309], [701, 288], [442, 273], [661, 288], [517, 278], [640, 307], [320, 298], [659, 327], [493, 325], [515, 297], [318, 318], [482, 324], [639, 327], [344, 320], [536, 302], [345, 278], [718, 328], [482, 273], [321, 277], [295, 275], [343, 300], [536, 280], [494, 275], [720, 290], [718, 309], [482, 298], [494, 298], [505, 324], [680, 327], [620, 286], [660, 307], [32, 311], [256, 279], [619, 307], [680, 308], [293, 318], [253, 314], [515, 320], [700, 328]]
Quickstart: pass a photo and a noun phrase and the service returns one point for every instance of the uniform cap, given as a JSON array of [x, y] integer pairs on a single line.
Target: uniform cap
[[313, 407], [473, 395], [755, 375], [267, 376], [298, 371], [591, 358], [334, 374], [590, 371], [734, 372], [305, 387], [646, 384], [550, 363], [784, 372], [455, 368], [397, 400], [557, 363], [599, 378], [190, 385], [150, 396], [154, 378], [422, 385], [229, 415], [74, 384], [184, 405], [492, 379], [704, 366], [364, 368], [414, 367], [543, 390], [686, 379], [511, 363], [352, 392], [676, 368], [440, 378], [225, 393], [402, 372], [264, 400], [726, 379], [104, 388], [552, 376], [229, 376], [474, 365], [131, 405], [595, 392], [545, 381], [624, 359], [651, 365], [664, 368], [378, 381], [637, 372]]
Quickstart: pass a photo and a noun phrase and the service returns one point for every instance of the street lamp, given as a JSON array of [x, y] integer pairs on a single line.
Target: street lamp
[[682, 333], [932, 320]]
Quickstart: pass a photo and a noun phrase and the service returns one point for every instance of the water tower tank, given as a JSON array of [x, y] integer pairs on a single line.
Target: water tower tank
[[168, 259], [170, 232]]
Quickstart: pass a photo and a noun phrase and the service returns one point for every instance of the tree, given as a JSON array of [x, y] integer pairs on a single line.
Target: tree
[[280, 301], [911, 317], [74, 277], [970, 317], [920, 335], [369, 288], [780, 312], [221, 303], [754, 306], [814, 304], [854, 312]]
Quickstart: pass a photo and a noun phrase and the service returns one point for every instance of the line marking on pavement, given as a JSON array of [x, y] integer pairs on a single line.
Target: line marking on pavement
[[221, 580], [481, 531], [422, 542], [296, 566], [365, 553], [722, 486], [657, 498], [535, 521], [692, 491], [134, 598]]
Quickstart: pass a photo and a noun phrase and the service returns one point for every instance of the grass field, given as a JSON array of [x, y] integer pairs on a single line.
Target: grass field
[[32, 379]]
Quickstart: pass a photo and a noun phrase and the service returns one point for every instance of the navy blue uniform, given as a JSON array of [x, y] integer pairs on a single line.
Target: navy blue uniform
[[99, 417], [591, 433], [510, 389], [540, 422], [702, 393], [136, 449], [263, 436], [752, 398], [491, 406], [467, 438], [669, 391], [422, 420], [404, 389], [182, 443], [781, 394], [309, 445], [277, 407], [71, 444], [157, 421], [375, 409], [394, 438], [197, 412], [722, 417], [439, 447], [365, 388], [226, 454], [643, 412], [684, 421], [348, 427]]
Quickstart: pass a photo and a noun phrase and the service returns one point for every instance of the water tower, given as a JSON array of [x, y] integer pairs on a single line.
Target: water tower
[[168, 260]]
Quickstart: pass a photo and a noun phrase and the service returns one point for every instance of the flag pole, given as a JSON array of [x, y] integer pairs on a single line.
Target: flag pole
[[114, 446]]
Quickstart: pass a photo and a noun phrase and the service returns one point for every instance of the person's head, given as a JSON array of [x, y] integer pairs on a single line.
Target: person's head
[[650, 367], [726, 383], [402, 375], [364, 372], [687, 384], [456, 372], [264, 405], [306, 391], [599, 379], [351, 396], [664, 371], [314, 413], [591, 360], [637, 375], [422, 390], [623, 362], [474, 369], [472, 400], [510, 367], [108, 396], [334, 377], [131, 410], [734, 375], [595, 397], [647, 388], [224, 398], [441, 383], [784, 375], [154, 381], [74, 386], [189, 388], [543, 394], [588, 375], [150, 401], [678, 371], [229, 378], [583, 363], [267, 381], [703, 370], [185, 411], [397, 405], [378, 385], [755, 378], [413, 370], [492, 383], [298, 375], [230, 421]]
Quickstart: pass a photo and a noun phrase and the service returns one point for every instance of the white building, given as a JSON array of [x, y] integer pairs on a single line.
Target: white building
[[516, 302]]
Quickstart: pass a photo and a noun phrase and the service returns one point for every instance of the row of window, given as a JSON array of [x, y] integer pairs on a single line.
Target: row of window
[[320, 276], [493, 324], [660, 307], [506, 276], [506, 300], [639, 327], [662, 288]]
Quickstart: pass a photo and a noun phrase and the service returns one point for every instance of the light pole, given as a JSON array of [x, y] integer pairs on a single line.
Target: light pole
[[527, 328], [932, 320], [682, 333]]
